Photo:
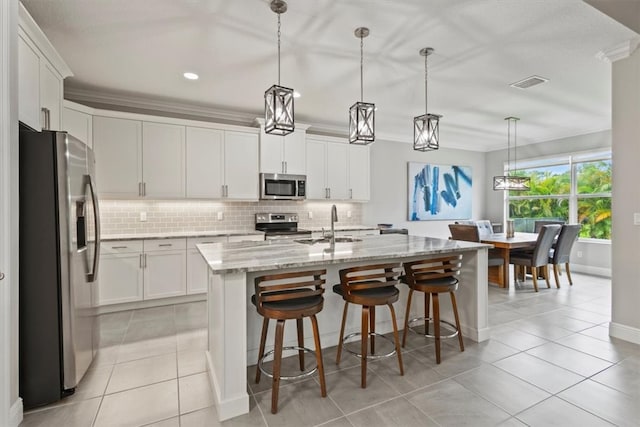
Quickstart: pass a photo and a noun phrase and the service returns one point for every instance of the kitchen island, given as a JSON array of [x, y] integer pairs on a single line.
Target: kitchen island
[[234, 325]]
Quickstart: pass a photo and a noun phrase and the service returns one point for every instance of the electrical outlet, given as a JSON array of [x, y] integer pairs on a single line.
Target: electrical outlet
[[143, 216], [310, 215], [579, 253], [636, 219], [220, 216], [348, 214]]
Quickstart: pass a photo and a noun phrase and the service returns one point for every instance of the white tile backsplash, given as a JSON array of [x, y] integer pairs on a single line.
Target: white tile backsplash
[[123, 216]]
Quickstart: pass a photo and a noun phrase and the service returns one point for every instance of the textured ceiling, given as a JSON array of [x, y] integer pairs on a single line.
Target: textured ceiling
[[142, 47]]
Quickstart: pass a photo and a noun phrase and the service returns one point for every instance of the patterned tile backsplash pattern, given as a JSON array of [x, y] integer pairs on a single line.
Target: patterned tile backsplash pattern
[[123, 216]]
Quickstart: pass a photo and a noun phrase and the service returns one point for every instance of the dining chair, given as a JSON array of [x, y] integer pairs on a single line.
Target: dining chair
[[538, 224], [561, 253], [539, 257], [471, 233]]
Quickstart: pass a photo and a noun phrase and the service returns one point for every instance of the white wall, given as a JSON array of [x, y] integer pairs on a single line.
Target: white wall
[[626, 199], [596, 257], [389, 186], [10, 404]]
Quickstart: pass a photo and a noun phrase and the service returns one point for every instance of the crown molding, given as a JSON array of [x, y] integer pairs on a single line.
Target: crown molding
[[619, 51]]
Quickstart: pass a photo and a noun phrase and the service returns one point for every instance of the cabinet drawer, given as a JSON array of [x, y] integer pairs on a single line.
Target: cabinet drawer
[[121, 247], [164, 244], [193, 241]]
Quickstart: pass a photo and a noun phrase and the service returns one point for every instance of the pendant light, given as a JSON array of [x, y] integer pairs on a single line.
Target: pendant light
[[278, 100], [362, 114], [511, 182], [426, 128]]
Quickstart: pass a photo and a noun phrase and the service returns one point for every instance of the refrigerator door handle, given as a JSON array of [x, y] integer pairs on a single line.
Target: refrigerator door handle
[[93, 275]]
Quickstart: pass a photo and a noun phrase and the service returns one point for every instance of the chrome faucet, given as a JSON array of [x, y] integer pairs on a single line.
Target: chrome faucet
[[334, 219]]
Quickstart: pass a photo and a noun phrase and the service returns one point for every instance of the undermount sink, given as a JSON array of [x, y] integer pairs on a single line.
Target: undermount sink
[[327, 240]]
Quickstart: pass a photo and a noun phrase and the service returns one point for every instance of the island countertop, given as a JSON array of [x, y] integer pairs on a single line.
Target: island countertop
[[224, 258]]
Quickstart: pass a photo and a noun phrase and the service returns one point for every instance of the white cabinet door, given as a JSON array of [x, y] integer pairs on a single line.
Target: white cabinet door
[[165, 274], [117, 144], [241, 165], [359, 172], [271, 153], [78, 124], [28, 85], [50, 96], [316, 170], [197, 268], [120, 278], [295, 159], [205, 163], [163, 163], [337, 155]]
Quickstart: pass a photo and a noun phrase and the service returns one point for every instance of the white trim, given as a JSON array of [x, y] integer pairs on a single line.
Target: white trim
[[15, 413], [229, 407], [78, 107], [591, 270], [619, 51], [624, 332]]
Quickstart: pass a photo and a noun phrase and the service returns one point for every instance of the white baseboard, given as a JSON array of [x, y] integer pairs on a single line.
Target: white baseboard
[[588, 269], [15, 413], [230, 407], [111, 308], [624, 332]]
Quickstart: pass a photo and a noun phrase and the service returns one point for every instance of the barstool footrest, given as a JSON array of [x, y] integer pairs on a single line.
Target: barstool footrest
[[430, 319], [289, 377], [369, 356]]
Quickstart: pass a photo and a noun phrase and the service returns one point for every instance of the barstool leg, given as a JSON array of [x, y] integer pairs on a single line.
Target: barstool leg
[[300, 342], [372, 328], [436, 324], [454, 305], [555, 274], [427, 302], [406, 318], [566, 268], [364, 336], [534, 272], [316, 339], [263, 338], [277, 363], [344, 320], [396, 338]]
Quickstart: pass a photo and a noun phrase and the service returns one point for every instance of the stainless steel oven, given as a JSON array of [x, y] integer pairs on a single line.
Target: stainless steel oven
[[278, 186], [280, 226]]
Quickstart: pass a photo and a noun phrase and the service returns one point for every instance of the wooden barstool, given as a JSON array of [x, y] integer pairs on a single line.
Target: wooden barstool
[[289, 296], [433, 277], [369, 286]]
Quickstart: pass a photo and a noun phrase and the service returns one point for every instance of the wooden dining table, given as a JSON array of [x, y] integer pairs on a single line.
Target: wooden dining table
[[504, 244]]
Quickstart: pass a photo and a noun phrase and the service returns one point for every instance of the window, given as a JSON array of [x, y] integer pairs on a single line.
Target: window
[[575, 189]]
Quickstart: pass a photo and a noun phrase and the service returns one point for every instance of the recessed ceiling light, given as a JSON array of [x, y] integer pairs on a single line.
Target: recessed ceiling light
[[190, 76], [296, 94], [529, 81]]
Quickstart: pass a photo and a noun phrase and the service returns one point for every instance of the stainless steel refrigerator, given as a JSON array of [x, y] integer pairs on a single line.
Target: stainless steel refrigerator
[[59, 255]]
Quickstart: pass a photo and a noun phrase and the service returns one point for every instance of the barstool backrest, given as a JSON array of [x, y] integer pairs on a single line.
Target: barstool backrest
[[426, 270], [369, 277], [284, 287]]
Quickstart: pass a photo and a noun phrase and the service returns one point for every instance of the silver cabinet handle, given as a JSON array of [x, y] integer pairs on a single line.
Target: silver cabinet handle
[[118, 247], [141, 266], [329, 192], [46, 113], [145, 260], [286, 166], [165, 244], [1, 276], [226, 190], [144, 188], [351, 193], [139, 189]]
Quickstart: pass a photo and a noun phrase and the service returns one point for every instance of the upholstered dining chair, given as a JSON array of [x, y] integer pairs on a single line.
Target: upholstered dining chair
[[538, 224], [471, 233], [561, 253], [539, 257]]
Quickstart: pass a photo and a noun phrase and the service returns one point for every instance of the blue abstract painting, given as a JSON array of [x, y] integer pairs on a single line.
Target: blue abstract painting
[[439, 192]]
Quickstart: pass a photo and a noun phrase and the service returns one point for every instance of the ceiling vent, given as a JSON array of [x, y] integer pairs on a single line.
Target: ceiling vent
[[528, 82]]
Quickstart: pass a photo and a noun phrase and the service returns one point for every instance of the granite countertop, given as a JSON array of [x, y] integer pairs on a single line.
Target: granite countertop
[[342, 228], [271, 255], [177, 234]]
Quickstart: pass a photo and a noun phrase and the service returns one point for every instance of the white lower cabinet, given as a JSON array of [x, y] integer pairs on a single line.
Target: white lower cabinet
[[120, 275], [196, 266], [165, 274]]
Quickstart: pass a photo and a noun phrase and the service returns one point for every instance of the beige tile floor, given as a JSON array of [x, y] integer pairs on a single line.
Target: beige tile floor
[[549, 362]]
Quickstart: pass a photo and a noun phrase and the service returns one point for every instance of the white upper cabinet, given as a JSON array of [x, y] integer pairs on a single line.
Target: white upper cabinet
[[316, 169], [117, 144], [283, 154], [41, 72], [359, 175], [328, 169], [241, 165], [337, 174], [205, 163], [163, 163], [77, 122]]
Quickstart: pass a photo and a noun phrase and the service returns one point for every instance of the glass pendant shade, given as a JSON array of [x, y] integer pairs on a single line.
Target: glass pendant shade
[[278, 110], [426, 132], [362, 123], [510, 182]]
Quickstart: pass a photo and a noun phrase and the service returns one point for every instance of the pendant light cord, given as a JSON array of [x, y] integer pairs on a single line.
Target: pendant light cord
[[515, 146], [278, 49], [509, 147], [426, 110], [361, 69]]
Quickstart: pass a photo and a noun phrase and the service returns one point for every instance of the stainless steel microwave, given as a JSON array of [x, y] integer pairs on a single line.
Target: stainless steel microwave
[[279, 186]]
